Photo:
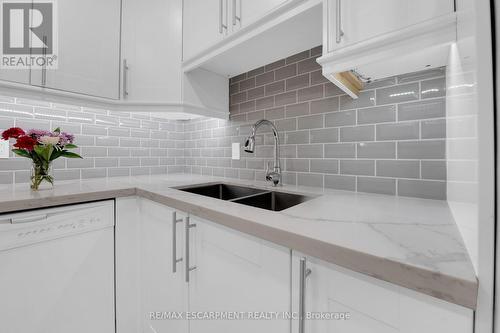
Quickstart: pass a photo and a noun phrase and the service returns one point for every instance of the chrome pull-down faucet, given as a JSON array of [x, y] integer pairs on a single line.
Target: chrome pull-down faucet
[[273, 175]]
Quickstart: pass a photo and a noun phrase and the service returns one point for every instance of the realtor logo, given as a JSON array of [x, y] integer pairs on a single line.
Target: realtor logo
[[29, 34]]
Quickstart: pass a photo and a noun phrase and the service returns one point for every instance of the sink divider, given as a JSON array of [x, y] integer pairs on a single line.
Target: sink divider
[[250, 196]]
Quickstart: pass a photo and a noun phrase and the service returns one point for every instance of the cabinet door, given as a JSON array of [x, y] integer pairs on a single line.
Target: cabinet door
[[161, 289], [15, 75], [360, 20], [88, 49], [245, 12], [205, 23], [365, 304], [235, 272], [145, 281], [152, 48]]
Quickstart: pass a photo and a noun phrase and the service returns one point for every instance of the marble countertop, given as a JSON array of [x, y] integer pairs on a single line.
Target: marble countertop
[[410, 242]]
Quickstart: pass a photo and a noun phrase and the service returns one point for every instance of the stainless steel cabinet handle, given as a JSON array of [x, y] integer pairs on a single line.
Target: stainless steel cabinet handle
[[221, 13], [175, 260], [189, 268], [339, 31], [236, 17], [44, 67], [125, 76], [304, 273]]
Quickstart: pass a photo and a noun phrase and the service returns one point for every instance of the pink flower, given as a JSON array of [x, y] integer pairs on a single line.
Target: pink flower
[[66, 138], [37, 134], [49, 140]]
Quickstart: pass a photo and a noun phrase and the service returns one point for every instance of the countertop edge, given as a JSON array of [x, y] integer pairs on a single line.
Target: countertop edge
[[448, 288], [444, 287]]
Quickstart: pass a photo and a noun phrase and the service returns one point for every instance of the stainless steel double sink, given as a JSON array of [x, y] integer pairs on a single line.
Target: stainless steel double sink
[[250, 196]]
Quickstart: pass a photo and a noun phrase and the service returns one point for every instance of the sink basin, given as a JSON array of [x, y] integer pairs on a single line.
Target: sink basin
[[222, 191], [270, 200], [275, 201]]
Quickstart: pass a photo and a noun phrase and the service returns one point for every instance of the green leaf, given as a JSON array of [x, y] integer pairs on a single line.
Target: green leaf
[[44, 152], [39, 150], [70, 146], [47, 152], [56, 154], [21, 152], [57, 130], [69, 154]]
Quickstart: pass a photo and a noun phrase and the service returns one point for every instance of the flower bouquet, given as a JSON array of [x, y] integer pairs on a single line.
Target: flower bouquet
[[42, 147]]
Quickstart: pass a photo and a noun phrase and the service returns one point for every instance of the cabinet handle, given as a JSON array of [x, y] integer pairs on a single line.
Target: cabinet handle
[[44, 67], [175, 260], [189, 268], [221, 13], [236, 17], [125, 77], [304, 273], [339, 31]]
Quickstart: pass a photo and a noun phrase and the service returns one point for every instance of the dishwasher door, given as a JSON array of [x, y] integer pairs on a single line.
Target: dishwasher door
[[57, 270]]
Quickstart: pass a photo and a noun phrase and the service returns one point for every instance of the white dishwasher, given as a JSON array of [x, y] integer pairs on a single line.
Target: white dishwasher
[[57, 270]]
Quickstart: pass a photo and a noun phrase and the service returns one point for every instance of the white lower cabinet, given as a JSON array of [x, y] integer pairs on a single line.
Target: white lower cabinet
[[234, 274], [360, 304], [147, 288], [177, 273]]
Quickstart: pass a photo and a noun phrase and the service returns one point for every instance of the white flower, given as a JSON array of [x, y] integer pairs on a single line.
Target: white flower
[[49, 140]]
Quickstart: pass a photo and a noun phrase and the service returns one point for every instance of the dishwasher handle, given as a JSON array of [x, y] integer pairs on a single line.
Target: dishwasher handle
[[27, 219]]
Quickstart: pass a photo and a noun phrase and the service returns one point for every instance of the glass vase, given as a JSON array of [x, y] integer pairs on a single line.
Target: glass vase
[[41, 176]]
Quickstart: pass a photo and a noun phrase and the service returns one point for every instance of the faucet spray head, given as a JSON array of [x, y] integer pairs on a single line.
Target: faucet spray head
[[250, 144]]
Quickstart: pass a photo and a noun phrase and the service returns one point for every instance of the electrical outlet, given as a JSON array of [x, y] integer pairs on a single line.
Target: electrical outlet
[[4, 148], [236, 151]]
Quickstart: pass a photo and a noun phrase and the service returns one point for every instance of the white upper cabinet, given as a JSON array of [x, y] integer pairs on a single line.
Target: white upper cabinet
[[151, 50], [89, 49], [15, 75], [205, 23], [354, 21], [208, 22], [369, 40], [245, 12]]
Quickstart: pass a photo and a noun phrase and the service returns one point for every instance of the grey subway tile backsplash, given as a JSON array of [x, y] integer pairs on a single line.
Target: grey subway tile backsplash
[[422, 189], [347, 183], [429, 149], [384, 150], [344, 118], [398, 131], [357, 167], [391, 140], [357, 133], [398, 169], [325, 166], [377, 185], [435, 108], [393, 131], [398, 94], [340, 150], [365, 99], [433, 88], [379, 114]]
